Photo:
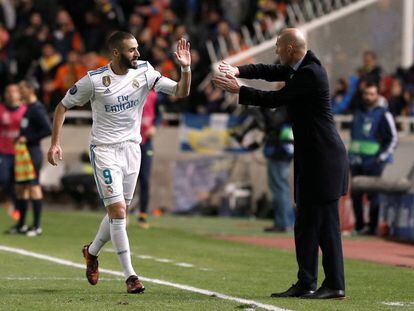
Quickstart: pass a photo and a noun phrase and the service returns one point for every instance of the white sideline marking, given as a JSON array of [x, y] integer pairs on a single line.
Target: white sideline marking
[[398, 303], [69, 263], [162, 260], [184, 264], [145, 257], [17, 278]]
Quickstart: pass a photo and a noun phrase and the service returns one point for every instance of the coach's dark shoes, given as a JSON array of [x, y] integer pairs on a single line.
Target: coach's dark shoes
[[92, 271], [326, 293], [134, 285], [294, 291]]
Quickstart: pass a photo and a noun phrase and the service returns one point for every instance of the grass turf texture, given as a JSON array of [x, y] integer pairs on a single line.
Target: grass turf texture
[[236, 269]]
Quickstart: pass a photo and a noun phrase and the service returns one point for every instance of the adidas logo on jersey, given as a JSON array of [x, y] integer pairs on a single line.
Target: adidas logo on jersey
[[107, 91]]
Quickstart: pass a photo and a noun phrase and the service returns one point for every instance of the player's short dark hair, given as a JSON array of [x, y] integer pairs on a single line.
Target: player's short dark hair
[[115, 40]]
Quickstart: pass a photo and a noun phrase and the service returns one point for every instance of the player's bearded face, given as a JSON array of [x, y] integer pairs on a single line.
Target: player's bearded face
[[129, 61], [129, 55]]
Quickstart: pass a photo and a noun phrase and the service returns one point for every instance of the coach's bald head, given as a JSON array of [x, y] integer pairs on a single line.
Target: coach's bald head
[[291, 46]]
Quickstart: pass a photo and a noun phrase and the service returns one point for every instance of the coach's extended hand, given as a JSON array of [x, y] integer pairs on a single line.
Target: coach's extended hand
[[225, 67], [227, 83]]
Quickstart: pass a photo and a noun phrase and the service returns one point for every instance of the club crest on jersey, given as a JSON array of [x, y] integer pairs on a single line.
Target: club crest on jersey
[[73, 90], [110, 189], [106, 80], [135, 83]]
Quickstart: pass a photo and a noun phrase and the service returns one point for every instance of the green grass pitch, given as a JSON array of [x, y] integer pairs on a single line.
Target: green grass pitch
[[183, 250]]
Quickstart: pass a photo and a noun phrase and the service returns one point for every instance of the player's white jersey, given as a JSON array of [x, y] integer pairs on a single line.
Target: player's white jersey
[[117, 100]]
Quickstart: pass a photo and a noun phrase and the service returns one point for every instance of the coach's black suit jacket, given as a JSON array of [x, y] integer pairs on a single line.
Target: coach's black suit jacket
[[320, 160]]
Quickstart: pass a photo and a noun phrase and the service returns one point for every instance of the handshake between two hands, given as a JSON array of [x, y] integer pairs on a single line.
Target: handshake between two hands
[[226, 79]]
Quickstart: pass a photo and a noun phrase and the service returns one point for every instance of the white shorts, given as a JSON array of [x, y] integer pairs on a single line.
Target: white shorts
[[116, 169]]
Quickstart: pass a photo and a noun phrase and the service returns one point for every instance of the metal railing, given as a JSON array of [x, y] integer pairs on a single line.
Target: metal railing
[[296, 14]]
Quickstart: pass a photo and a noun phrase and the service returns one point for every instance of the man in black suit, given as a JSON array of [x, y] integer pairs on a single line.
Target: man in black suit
[[320, 160]]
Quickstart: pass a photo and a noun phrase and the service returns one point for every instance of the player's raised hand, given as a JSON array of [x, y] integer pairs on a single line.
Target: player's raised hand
[[226, 68], [55, 152], [183, 53]]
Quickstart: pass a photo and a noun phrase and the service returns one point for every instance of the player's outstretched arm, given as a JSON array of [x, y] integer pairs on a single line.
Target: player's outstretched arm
[[183, 56], [55, 151]]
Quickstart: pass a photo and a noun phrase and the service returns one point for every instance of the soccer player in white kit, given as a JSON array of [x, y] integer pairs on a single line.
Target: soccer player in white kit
[[117, 93]]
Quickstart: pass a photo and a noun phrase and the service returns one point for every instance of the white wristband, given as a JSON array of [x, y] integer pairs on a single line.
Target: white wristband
[[185, 69]]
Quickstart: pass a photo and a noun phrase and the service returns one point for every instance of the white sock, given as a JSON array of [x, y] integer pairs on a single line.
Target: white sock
[[120, 242], [103, 236]]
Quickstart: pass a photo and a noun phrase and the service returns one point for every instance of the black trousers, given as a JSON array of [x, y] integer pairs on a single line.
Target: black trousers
[[145, 175], [317, 225]]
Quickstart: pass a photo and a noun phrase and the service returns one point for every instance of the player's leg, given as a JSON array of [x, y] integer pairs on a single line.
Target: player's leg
[[132, 161], [103, 160], [102, 237], [120, 241]]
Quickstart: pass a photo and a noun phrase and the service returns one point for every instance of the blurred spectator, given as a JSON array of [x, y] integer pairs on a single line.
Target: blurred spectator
[[370, 70], [278, 150], [397, 102], [235, 12], [168, 23], [112, 11], [45, 68], [214, 98], [95, 31], [35, 126], [154, 12], [148, 130], [373, 142], [356, 100], [11, 114], [409, 98], [136, 24], [4, 56], [28, 43], [66, 38], [343, 94], [271, 17], [67, 74], [200, 70], [92, 60], [161, 61]]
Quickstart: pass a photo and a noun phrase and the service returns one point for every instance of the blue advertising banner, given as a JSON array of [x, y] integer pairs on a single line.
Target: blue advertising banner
[[397, 211], [209, 134], [198, 180]]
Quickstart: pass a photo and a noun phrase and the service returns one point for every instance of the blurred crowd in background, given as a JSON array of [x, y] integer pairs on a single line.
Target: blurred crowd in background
[[396, 89], [58, 42]]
